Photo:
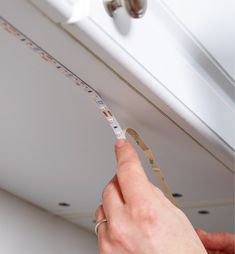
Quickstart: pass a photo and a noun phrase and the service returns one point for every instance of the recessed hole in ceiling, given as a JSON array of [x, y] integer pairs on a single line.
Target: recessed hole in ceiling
[[203, 212], [64, 204], [177, 195]]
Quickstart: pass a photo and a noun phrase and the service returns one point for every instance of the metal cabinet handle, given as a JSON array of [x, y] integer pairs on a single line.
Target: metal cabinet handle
[[136, 8]]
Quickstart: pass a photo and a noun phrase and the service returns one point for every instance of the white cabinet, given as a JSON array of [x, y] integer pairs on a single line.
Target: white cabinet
[[56, 147], [160, 58]]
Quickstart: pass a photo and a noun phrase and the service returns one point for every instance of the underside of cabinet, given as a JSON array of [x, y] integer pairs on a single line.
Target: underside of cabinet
[[56, 148]]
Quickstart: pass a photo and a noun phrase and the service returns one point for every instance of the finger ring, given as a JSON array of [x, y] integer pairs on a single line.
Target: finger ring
[[98, 224]]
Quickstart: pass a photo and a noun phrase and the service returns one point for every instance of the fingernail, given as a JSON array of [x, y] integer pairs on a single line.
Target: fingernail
[[120, 143]]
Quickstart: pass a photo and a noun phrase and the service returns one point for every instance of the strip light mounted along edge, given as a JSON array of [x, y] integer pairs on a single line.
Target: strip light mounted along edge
[[94, 96]]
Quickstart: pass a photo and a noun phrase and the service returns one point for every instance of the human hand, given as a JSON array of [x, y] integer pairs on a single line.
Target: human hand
[[217, 242], [140, 219]]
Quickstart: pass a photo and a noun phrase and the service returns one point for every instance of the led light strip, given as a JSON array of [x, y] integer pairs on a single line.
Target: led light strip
[[118, 131], [68, 74]]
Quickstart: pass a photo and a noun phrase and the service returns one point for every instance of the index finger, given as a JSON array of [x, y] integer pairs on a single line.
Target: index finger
[[131, 176]]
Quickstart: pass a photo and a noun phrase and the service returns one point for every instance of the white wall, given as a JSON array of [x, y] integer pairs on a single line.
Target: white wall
[[25, 229]]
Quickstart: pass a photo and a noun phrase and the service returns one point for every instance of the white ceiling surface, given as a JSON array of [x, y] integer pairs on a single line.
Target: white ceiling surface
[[212, 22], [56, 147]]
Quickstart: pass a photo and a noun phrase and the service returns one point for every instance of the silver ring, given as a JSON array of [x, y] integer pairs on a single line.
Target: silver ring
[[98, 224]]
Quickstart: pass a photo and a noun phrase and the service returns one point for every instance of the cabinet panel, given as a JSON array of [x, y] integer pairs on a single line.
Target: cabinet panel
[[150, 42], [220, 17], [145, 51]]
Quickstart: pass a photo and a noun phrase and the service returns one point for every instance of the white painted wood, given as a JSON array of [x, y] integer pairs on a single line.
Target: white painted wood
[[213, 25], [56, 147], [26, 229], [151, 45], [145, 51]]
